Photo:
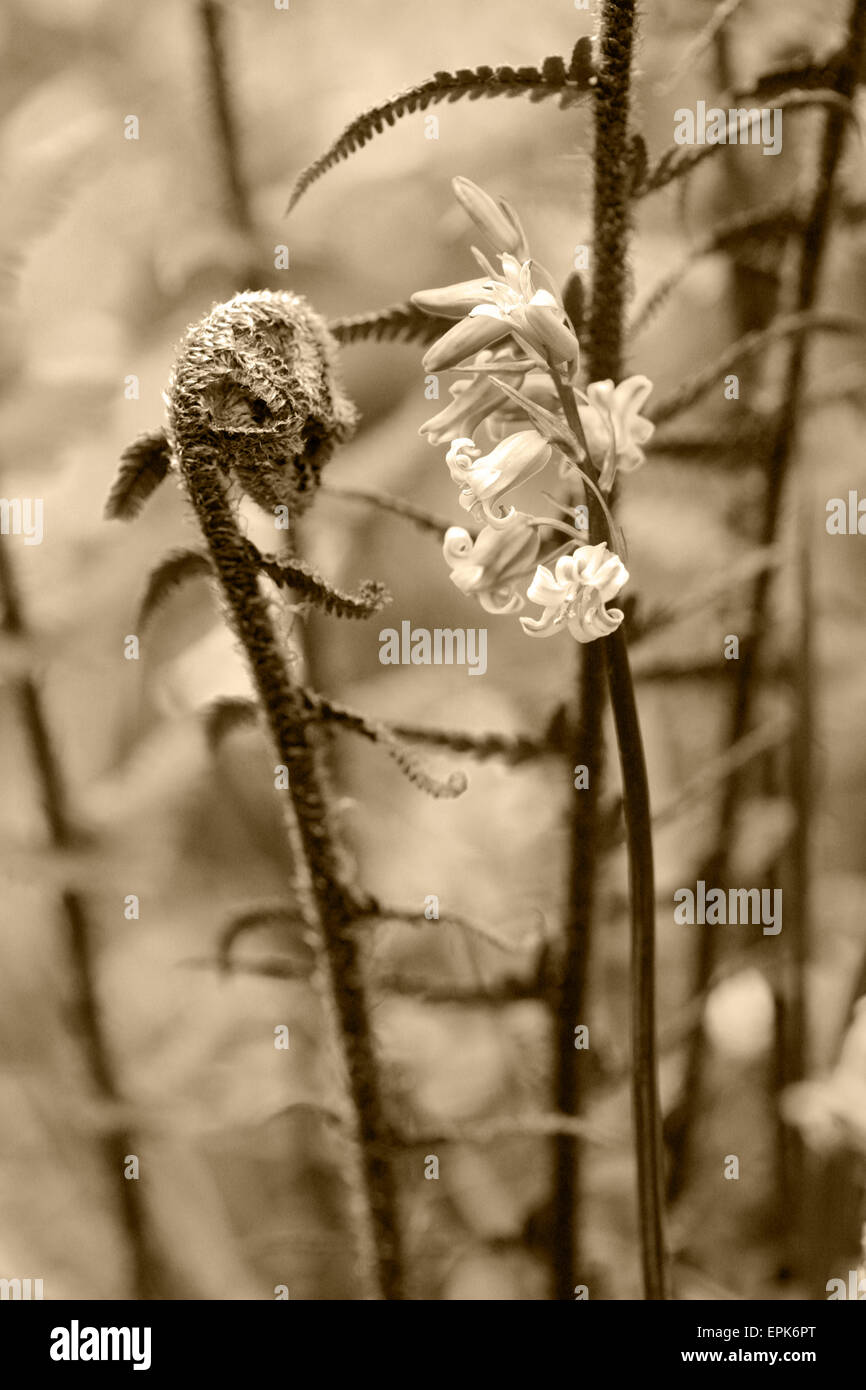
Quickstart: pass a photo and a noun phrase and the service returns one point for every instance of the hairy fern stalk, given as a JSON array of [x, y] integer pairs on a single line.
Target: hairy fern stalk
[[255, 406]]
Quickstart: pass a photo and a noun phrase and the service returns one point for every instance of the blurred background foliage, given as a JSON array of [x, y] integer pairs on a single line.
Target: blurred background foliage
[[109, 248]]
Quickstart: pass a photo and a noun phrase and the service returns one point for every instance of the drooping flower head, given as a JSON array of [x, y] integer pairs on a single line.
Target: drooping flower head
[[484, 480], [513, 336], [495, 564], [615, 429], [574, 595], [473, 400]]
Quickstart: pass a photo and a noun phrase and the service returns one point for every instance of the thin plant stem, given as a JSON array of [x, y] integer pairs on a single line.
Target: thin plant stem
[[813, 246], [638, 820], [116, 1141], [753, 305], [329, 906], [237, 196], [794, 1017], [212, 17], [754, 293]]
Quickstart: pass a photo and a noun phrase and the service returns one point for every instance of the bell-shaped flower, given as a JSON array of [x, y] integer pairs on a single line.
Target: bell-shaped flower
[[543, 327], [493, 216], [495, 565], [484, 480], [454, 301], [615, 429], [472, 400], [527, 300], [524, 302], [574, 595], [466, 338]]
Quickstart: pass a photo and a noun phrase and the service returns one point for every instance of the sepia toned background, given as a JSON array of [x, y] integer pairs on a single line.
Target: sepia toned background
[[109, 249]]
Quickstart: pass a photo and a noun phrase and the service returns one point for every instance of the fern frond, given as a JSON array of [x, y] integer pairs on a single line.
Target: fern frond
[[170, 573], [412, 766], [143, 466], [553, 78], [305, 580], [506, 989], [681, 159], [722, 14], [790, 325], [407, 759], [805, 77], [489, 935], [397, 323], [397, 507], [717, 771], [764, 227], [510, 990], [746, 439], [513, 750], [479, 1133], [719, 588]]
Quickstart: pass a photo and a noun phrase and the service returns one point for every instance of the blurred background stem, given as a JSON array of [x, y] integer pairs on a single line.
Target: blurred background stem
[[587, 749], [716, 869], [115, 1141], [227, 140]]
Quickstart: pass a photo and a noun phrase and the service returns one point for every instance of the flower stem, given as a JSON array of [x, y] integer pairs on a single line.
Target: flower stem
[[329, 906], [638, 821], [557, 526]]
